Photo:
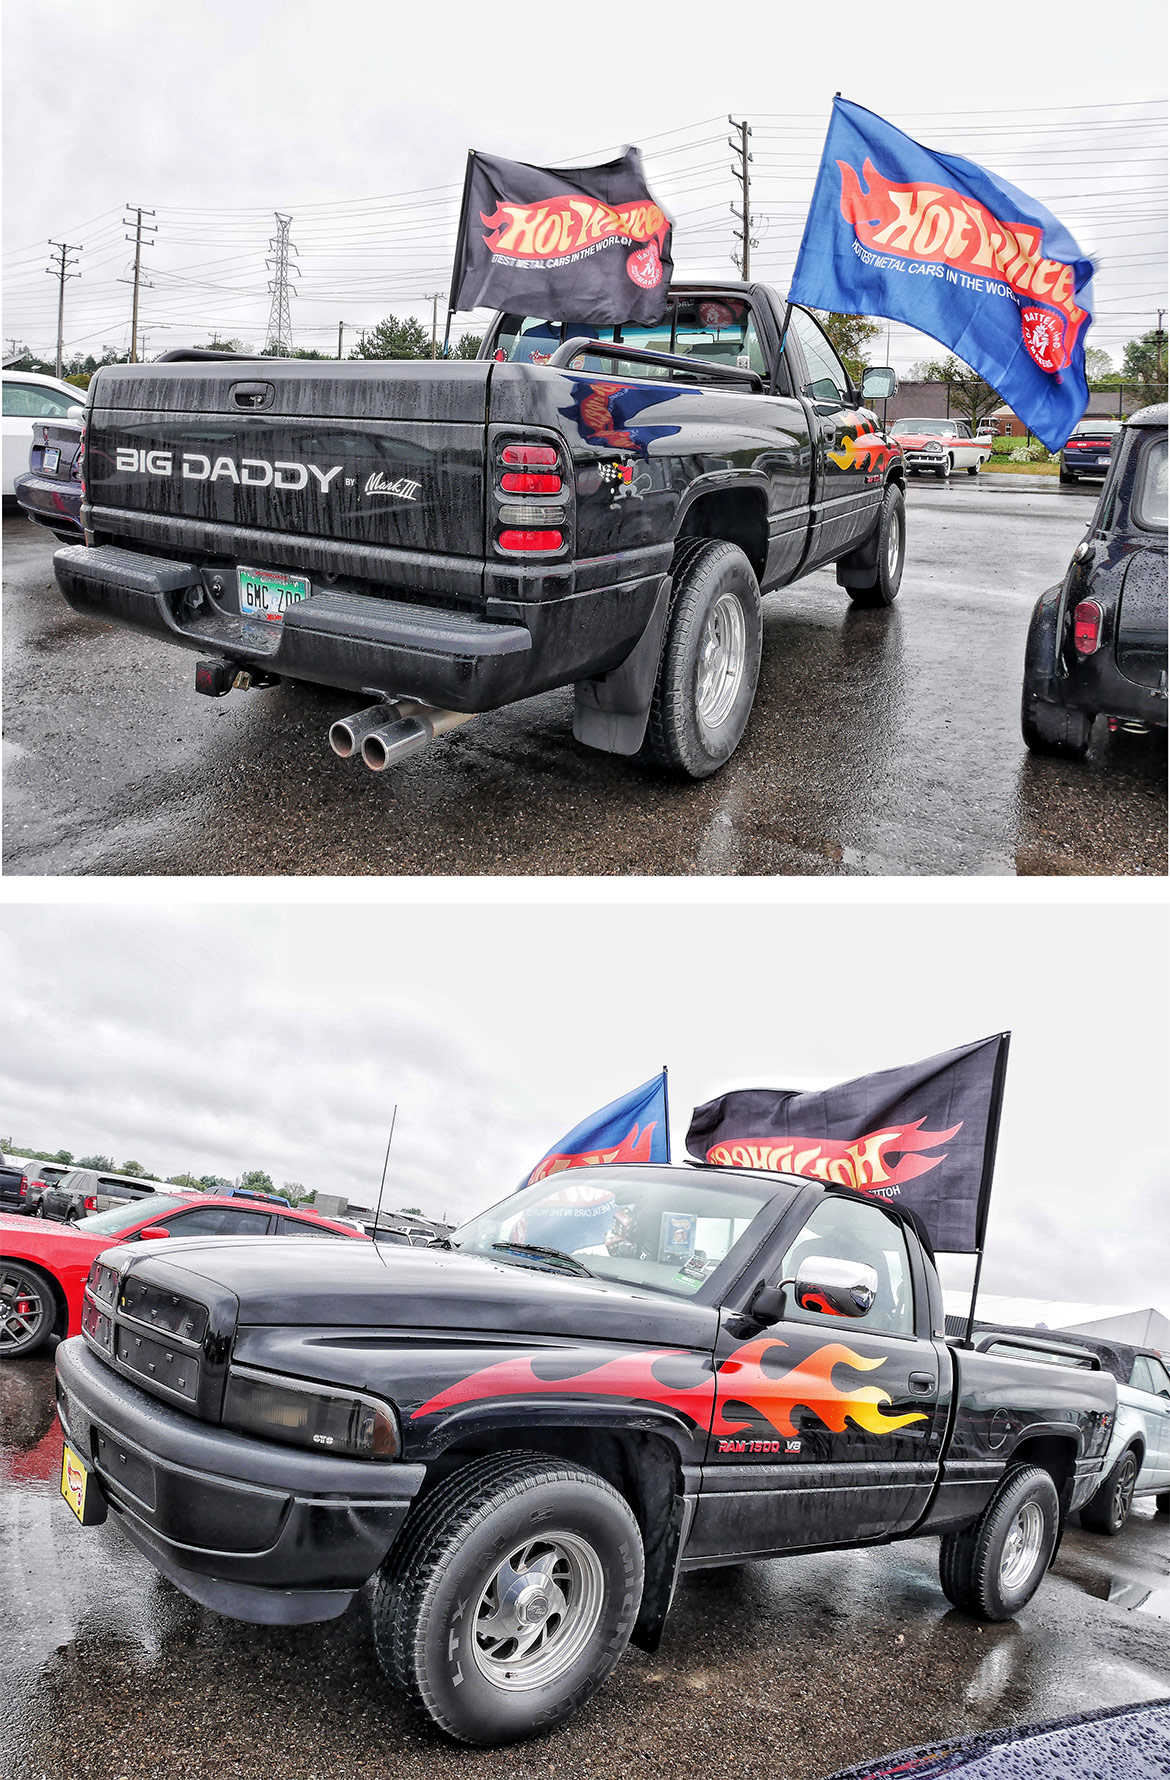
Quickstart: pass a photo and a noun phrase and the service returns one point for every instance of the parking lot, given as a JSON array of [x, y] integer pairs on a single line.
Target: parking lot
[[790, 1668], [881, 743]]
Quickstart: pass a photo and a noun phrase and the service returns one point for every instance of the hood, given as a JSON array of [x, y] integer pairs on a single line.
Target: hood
[[288, 1283]]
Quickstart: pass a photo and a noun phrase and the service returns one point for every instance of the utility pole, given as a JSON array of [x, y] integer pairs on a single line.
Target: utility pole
[[1158, 343], [743, 259], [434, 296], [139, 229], [279, 339], [61, 272], [340, 331]]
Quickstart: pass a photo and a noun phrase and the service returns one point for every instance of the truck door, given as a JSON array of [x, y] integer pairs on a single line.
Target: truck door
[[827, 1430], [849, 456]]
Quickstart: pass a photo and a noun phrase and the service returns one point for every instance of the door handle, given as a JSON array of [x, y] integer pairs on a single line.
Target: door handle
[[922, 1381]]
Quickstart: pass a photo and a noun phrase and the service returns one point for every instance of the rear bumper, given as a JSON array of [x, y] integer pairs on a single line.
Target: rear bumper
[[48, 501], [263, 1533], [366, 642]]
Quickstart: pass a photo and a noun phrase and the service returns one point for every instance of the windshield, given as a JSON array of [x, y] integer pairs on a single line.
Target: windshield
[[717, 330], [648, 1226], [121, 1217], [934, 429]]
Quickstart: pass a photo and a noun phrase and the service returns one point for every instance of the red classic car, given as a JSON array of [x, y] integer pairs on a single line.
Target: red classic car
[[43, 1266]]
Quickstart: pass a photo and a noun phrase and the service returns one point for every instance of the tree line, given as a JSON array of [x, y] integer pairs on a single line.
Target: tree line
[[252, 1180]]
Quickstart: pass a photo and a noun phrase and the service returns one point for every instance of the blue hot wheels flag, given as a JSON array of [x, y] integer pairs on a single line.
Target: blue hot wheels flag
[[938, 242], [632, 1129]]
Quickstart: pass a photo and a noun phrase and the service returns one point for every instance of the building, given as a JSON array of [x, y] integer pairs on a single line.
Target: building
[[1139, 1327]]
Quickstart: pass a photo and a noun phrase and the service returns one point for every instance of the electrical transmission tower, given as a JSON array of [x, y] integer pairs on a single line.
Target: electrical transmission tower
[[743, 259], [279, 341], [66, 257]]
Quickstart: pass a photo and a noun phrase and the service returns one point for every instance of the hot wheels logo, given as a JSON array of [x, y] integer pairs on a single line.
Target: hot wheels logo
[[558, 228], [862, 1163], [634, 1147], [932, 223]]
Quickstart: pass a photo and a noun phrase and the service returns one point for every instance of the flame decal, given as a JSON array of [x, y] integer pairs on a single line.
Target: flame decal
[[862, 1164], [740, 1379], [634, 1147], [866, 448]]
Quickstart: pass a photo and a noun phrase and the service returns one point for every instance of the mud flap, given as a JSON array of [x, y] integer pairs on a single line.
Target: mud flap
[[610, 711]]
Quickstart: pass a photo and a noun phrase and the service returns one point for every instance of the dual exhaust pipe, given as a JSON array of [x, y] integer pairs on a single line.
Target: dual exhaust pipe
[[385, 734]]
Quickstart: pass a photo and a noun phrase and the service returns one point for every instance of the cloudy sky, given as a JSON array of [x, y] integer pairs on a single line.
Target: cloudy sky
[[215, 113], [218, 1038]]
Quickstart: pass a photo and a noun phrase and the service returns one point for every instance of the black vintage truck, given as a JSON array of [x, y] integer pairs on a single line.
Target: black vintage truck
[[526, 1436], [447, 537]]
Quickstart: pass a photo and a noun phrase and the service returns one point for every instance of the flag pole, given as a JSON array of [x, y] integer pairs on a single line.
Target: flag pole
[[666, 1111], [990, 1146], [463, 208]]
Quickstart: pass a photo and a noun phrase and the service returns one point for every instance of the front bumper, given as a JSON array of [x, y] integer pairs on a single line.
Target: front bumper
[[264, 1533], [371, 642], [923, 460], [48, 501]]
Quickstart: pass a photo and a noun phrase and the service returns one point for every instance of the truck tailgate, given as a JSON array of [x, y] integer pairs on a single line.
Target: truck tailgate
[[384, 454]]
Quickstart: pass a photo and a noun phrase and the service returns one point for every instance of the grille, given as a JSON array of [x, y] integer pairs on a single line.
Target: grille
[[162, 1310], [174, 1369]]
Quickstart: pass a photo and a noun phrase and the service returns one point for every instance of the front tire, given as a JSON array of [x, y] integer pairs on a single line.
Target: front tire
[[27, 1311], [891, 553], [1055, 729], [1108, 1509], [509, 1597], [710, 660], [992, 1569]]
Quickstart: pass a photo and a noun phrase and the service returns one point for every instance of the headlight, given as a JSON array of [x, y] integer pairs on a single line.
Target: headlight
[[313, 1415], [934, 447]]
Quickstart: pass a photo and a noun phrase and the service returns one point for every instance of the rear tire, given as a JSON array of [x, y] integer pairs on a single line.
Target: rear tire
[[28, 1310], [891, 552], [1108, 1509], [710, 660], [1066, 481], [992, 1569], [973, 469], [1055, 729], [1162, 1502], [488, 1657]]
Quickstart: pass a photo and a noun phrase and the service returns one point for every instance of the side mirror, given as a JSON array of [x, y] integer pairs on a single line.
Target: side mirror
[[77, 412], [153, 1233], [878, 382], [822, 1283]]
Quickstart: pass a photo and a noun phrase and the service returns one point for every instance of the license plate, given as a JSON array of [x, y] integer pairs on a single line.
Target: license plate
[[269, 596], [52, 460], [80, 1490]]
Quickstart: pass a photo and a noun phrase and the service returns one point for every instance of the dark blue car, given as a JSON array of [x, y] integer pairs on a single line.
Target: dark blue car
[[1097, 641], [49, 492]]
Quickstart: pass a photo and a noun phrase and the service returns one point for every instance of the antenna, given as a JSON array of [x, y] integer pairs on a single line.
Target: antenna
[[385, 1166]]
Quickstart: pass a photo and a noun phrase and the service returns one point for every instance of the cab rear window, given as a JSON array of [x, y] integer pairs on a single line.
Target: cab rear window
[[1149, 495], [717, 330]]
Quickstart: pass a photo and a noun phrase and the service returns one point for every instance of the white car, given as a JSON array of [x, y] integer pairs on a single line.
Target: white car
[[941, 446], [1138, 1460], [28, 397]]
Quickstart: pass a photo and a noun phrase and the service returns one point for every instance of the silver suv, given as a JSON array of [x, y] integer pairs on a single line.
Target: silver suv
[[85, 1190]]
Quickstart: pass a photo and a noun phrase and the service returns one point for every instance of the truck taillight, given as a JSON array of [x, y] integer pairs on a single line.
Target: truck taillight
[[79, 464], [530, 484], [23, 1186], [518, 540], [90, 1202], [529, 454], [1087, 627], [533, 498]]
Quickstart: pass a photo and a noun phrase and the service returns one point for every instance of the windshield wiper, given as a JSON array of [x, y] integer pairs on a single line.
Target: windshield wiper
[[550, 1254]]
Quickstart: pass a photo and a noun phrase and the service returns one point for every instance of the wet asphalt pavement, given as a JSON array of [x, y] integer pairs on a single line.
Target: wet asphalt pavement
[[882, 742], [787, 1670]]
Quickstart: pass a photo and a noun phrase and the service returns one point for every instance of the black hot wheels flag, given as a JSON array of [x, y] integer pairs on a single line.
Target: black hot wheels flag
[[584, 244], [923, 1135]]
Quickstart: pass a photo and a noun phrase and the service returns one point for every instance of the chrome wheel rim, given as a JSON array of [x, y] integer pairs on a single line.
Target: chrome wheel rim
[[1022, 1546], [1123, 1490], [538, 1611], [894, 547], [722, 653], [22, 1309]]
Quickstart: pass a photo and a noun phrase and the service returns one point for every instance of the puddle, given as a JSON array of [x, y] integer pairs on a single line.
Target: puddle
[[1137, 1597]]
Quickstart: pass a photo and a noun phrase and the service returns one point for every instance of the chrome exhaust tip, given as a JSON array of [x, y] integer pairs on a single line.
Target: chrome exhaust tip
[[395, 741], [348, 733]]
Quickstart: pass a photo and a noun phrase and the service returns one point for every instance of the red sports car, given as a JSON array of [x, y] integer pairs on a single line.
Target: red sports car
[[43, 1266]]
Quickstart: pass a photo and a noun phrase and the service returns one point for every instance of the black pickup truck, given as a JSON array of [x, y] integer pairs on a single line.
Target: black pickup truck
[[528, 1434], [448, 537]]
